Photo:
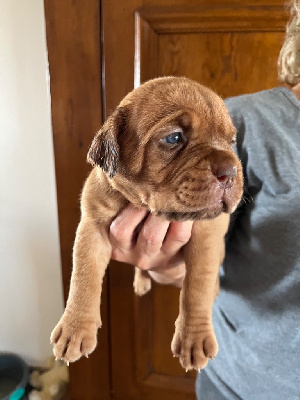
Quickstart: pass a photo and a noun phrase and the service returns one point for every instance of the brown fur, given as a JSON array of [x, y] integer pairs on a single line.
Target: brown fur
[[189, 180]]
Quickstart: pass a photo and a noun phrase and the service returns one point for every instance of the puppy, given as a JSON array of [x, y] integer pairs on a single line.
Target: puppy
[[167, 147]]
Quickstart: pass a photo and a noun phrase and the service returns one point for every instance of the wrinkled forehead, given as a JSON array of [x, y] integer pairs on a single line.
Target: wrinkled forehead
[[186, 104]]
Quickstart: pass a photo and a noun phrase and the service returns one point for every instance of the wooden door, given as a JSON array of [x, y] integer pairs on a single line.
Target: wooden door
[[98, 51], [231, 47]]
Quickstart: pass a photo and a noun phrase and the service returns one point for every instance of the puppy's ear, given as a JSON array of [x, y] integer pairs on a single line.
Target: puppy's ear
[[104, 150]]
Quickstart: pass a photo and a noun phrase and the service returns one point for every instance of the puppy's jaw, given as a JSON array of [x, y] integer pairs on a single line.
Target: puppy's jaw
[[190, 196], [196, 195], [190, 216], [226, 202]]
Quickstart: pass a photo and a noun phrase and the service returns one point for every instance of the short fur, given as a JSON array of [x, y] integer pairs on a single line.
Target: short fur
[[199, 178]]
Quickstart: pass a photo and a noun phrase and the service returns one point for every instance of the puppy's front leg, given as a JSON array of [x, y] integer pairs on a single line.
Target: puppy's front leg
[[194, 341], [76, 333]]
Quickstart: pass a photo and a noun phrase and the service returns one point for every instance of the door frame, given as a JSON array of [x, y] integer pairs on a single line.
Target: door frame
[[73, 31]]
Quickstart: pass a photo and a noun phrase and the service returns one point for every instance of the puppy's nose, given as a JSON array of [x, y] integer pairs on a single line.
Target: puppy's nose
[[226, 174]]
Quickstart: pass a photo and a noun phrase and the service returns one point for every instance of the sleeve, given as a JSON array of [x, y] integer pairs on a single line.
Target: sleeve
[[237, 110]]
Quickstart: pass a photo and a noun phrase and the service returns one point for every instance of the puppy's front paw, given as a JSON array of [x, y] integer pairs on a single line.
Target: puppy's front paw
[[194, 346], [72, 339]]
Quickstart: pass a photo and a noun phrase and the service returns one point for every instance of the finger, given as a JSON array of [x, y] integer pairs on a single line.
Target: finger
[[178, 235], [152, 236], [123, 227], [169, 276]]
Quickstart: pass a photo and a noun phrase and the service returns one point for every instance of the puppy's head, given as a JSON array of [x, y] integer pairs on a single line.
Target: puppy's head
[[168, 146]]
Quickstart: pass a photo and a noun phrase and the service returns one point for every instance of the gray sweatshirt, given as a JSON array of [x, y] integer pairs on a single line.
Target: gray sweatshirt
[[257, 314]]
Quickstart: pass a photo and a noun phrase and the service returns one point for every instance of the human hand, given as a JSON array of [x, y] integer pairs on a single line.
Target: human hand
[[150, 243]]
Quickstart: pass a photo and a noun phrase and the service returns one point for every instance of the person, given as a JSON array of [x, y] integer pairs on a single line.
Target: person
[[257, 313]]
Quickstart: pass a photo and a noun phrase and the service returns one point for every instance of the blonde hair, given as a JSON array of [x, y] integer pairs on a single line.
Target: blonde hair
[[289, 57]]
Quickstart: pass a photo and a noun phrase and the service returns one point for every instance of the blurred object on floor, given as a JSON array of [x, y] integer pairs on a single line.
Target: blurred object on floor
[[51, 384]]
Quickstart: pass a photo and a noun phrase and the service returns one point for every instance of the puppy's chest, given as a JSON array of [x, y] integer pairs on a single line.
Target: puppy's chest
[[100, 201], [109, 204]]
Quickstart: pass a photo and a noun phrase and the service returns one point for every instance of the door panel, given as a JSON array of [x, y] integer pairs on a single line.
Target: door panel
[[219, 61], [209, 48], [231, 48]]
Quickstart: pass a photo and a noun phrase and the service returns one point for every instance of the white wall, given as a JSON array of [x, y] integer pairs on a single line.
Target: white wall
[[31, 299]]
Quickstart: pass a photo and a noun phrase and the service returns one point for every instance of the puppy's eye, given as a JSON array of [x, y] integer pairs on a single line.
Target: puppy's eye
[[174, 138]]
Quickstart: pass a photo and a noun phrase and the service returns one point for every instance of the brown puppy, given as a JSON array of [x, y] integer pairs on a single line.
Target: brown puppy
[[167, 147]]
